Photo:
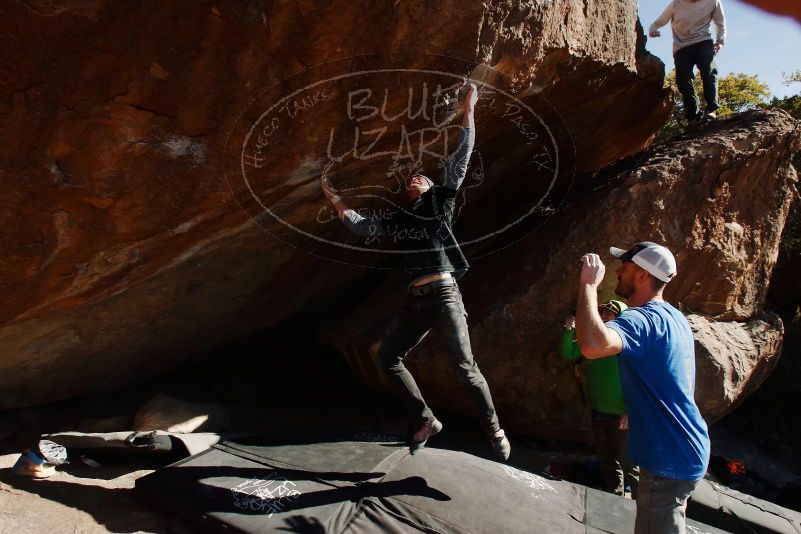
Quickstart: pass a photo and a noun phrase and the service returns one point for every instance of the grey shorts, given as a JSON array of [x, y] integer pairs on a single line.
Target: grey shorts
[[662, 504]]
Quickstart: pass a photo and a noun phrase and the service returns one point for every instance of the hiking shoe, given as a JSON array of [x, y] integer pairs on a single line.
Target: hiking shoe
[[712, 115], [26, 467], [421, 435], [695, 122], [501, 447]]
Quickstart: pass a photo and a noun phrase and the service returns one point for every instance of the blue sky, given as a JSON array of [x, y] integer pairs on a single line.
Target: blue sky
[[756, 43]]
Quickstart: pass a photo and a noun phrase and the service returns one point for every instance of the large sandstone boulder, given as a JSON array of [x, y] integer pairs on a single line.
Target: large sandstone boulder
[[784, 295], [733, 359], [162, 412], [718, 200], [132, 240]]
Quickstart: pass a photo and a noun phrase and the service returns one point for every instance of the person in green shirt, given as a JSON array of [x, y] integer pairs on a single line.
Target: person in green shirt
[[602, 391]]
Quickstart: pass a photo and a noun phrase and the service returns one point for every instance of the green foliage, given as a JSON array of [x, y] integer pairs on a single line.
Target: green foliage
[[792, 105], [736, 92], [740, 92], [793, 77]]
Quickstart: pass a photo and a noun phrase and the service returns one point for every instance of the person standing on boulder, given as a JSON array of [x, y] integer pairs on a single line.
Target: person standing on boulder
[[433, 300], [690, 21], [668, 438], [605, 397]]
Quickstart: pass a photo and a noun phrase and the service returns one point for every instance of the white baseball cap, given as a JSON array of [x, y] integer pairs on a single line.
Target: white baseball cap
[[655, 259]]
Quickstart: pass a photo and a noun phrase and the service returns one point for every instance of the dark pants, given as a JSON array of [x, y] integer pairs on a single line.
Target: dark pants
[[662, 504], [701, 55], [611, 445], [441, 310]]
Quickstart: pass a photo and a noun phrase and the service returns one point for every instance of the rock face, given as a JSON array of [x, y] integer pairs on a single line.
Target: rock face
[[733, 359], [784, 295], [718, 200], [163, 412], [126, 251]]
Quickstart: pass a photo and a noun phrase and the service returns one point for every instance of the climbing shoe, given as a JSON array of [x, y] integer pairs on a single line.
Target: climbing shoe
[[501, 447], [420, 436]]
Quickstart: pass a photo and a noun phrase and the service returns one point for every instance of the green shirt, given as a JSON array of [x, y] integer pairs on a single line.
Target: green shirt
[[602, 386]]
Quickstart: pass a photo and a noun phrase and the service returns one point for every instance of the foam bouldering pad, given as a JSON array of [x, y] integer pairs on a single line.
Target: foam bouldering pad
[[356, 482]]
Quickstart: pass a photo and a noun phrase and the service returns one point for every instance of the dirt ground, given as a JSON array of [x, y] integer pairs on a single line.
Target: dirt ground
[[77, 499]]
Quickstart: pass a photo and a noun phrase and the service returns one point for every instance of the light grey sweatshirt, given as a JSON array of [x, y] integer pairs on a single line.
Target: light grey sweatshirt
[[690, 22]]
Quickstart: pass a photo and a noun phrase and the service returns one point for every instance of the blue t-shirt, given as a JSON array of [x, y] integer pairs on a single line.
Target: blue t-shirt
[[667, 435]]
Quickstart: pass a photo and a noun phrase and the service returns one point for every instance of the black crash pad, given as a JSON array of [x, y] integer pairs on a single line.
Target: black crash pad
[[354, 482]]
